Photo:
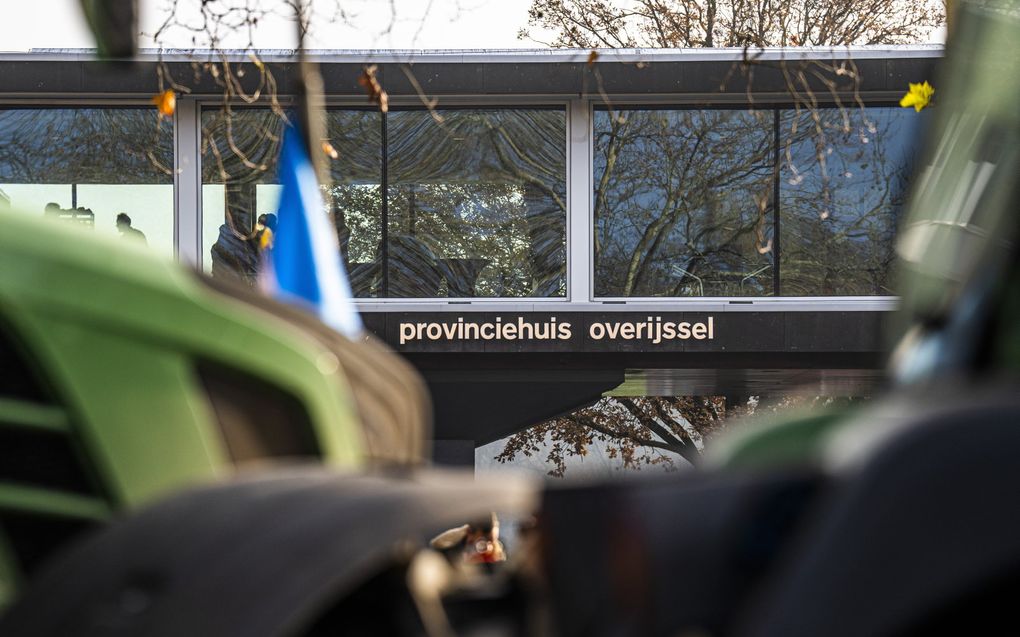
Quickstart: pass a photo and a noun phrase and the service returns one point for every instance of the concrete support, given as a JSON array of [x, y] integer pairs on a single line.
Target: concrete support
[[486, 405]]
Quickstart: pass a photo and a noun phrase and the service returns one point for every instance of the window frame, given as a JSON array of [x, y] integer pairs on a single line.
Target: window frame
[[69, 102], [772, 102], [579, 141], [404, 103]]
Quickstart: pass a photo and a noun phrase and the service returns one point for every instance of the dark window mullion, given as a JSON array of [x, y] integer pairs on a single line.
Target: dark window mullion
[[776, 290], [385, 211]]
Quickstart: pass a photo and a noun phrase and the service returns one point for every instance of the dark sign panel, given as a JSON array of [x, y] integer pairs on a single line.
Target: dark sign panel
[[627, 331]]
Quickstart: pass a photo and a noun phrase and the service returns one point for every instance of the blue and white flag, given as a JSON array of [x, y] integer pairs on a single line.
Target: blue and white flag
[[304, 267]]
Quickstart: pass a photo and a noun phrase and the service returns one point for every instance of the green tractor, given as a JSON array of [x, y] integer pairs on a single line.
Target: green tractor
[[126, 377]]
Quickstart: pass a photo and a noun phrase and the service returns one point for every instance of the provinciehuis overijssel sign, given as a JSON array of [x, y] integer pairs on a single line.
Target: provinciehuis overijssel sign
[[623, 331], [654, 329]]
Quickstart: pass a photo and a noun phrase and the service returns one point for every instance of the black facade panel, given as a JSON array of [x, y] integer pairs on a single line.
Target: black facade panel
[[532, 78], [833, 331], [375, 322], [733, 77], [467, 78], [434, 79], [102, 78], [41, 77], [743, 332], [616, 77], [486, 407], [874, 74], [342, 80], [901, 72]]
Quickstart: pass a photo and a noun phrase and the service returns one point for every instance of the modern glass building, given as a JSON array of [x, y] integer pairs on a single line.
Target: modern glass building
[[650, 187]]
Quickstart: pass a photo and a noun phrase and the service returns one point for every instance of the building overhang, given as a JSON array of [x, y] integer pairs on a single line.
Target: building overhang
[[706, 72]]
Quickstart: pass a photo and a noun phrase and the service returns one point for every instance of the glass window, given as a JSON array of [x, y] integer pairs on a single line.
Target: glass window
[[477, 203], [842, 184], [683, 202], [356, 195], [469, 202], [240, 187], [90, 166]]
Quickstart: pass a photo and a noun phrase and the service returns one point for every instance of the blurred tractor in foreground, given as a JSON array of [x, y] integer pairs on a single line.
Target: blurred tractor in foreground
[[126, 377]]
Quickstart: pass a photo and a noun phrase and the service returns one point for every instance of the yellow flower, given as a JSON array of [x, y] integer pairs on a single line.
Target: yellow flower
[[918, 96]]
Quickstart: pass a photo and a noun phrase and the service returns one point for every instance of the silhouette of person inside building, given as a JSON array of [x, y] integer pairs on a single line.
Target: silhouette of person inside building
[[125, 229], [237, 255]]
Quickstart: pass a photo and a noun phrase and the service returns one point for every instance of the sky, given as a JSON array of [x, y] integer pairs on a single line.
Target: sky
[[424, 24], [370, 24]]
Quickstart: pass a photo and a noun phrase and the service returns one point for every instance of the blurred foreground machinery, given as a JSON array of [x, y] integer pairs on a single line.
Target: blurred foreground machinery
[[896, 519], [126, 377]]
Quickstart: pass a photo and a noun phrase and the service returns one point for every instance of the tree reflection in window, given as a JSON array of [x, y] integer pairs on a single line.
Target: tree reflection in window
[[474, 199], [841, 193], [683, 202], [477, 205]]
